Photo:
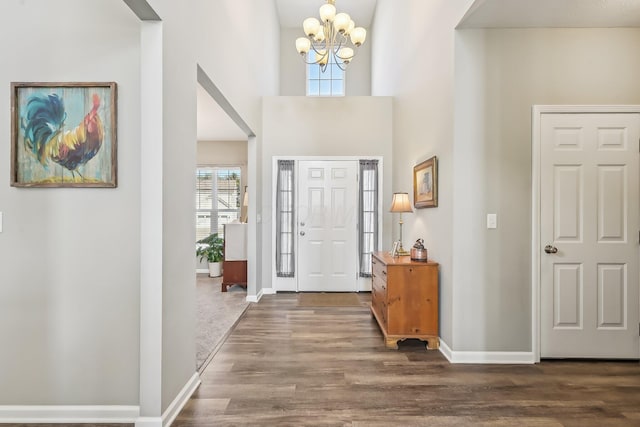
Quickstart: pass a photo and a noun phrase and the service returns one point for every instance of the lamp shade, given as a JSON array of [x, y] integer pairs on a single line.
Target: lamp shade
[[400, 203]]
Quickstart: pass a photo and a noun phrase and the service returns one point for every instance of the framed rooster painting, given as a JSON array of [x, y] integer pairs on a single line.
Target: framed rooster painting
[[63, 135]]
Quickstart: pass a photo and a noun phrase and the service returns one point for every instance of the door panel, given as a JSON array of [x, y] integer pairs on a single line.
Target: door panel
[[589, 221], [327, 238]]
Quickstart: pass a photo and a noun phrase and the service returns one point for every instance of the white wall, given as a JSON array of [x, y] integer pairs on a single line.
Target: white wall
[[70, 320], [293, 68], [69, 273], [419, 74], [500, 75], [301, 126], [212, 153]]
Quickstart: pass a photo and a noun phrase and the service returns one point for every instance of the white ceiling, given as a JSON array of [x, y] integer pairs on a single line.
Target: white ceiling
[[215, 124], [293, 12], [552, 13]]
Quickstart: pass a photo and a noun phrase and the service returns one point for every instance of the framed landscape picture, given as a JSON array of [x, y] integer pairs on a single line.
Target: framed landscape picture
[[425, 184], [63, 135]]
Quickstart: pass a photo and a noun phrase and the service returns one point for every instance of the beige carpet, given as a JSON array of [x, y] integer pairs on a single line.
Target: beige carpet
[[331, 299], [216, 313]]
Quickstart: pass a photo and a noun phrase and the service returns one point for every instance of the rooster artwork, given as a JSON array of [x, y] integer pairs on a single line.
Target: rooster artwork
[[63, 138]]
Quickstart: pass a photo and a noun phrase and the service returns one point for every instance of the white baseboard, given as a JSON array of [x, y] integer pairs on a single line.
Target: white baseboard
[[178, 403], [486, 357], [268, 291], [67, 414], [96, 414], [202, 270], [255, 298], [149, 422]]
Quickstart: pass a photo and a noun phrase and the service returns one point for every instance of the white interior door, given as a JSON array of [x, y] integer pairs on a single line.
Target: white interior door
[[327, 226], [589, 225]]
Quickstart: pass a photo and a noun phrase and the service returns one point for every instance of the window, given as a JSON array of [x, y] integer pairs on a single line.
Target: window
[[285, 266], [327, 83], [368, 235], [218, 199]]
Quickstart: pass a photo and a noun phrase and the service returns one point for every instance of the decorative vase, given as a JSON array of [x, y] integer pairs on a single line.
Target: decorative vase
[[215, 269]]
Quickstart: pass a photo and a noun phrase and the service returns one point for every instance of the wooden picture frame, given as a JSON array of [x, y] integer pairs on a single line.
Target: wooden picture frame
[[63, 134], [425, 184]]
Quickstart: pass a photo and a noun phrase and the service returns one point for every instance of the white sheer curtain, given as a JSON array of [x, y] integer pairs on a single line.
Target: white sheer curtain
[[368, 214], [285, 257]]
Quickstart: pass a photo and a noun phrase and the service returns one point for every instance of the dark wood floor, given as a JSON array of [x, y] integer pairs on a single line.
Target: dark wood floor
[[286, 365]]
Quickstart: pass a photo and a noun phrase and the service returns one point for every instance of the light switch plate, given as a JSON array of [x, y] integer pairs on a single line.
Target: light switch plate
[[492, 220]]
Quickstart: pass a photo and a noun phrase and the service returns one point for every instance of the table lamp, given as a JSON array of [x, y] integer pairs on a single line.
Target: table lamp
[[400, 204]]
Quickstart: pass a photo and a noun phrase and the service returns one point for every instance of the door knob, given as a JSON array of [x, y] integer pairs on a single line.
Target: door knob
[[302, 233], [550, 249]]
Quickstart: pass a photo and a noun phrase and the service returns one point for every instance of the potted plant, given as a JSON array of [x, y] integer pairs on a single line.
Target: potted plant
[[211, 249]]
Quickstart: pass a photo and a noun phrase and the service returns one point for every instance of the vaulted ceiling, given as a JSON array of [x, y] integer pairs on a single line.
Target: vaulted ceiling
[[214, 124]]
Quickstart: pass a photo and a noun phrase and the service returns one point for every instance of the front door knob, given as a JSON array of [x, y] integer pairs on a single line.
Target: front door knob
[[550, 249]]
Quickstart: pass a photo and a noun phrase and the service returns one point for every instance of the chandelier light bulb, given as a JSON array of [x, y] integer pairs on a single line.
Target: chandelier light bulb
[[341, 22], [327, 12], [350, 28], [358, 36], [345, 53], [323, 57], [320, 36], [311, 26], [303, 45]]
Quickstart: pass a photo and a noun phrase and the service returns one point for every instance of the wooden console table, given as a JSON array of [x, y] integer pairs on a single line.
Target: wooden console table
[[234, 273], [404, 299]]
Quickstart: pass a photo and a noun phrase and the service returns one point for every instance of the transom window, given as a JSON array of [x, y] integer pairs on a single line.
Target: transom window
[[329, 82]]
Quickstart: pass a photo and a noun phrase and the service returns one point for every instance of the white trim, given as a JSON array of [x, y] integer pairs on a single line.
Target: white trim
[[445, 350], [151, 228], [486, 357], [69, 414], [535, 232], [536, 142], [255, 298], [252, 212], [149, 422], [269, 291], [181, 399], [202, 270]]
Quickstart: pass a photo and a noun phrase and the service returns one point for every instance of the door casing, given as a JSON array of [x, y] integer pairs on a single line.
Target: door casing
[[536, 143]]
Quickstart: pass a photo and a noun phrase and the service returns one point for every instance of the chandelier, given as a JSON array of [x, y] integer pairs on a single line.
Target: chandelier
[[329, 37]]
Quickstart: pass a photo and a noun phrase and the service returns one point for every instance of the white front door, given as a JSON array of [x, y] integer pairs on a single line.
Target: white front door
[[327, 226], [589, 225]]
